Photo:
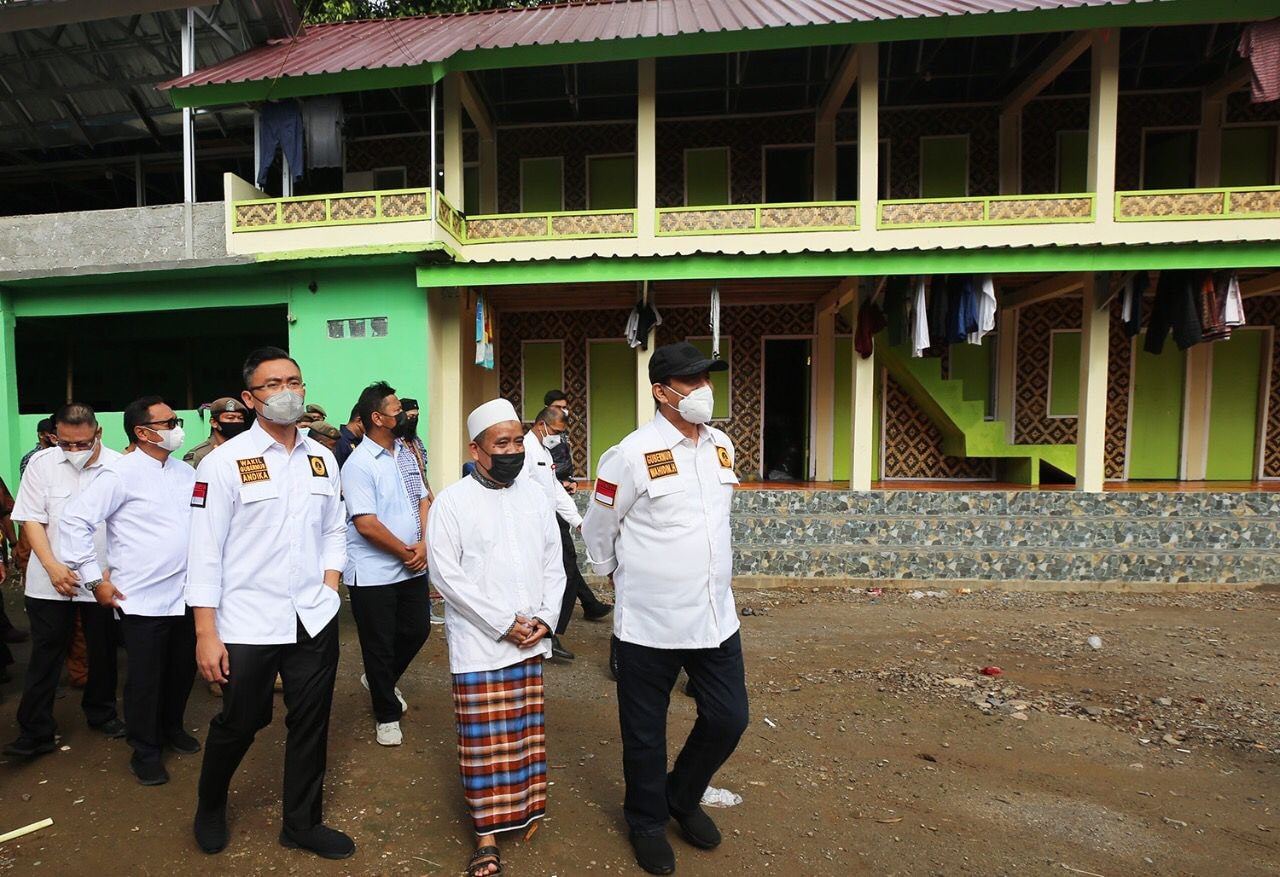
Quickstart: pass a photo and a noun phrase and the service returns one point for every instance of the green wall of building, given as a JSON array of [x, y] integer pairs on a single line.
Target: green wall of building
[[1234, 405], [1155, 427], [611, 395]]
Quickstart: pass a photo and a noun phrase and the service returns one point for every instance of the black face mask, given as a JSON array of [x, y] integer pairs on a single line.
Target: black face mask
[[231, 429], [410, 428], [399, 428], [503, 468]]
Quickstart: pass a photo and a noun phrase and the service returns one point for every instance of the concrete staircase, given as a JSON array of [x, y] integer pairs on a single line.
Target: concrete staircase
[[966, 431]]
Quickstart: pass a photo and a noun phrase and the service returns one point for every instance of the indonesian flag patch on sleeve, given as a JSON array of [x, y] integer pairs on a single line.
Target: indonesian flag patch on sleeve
[[199, 494], [605, 492]]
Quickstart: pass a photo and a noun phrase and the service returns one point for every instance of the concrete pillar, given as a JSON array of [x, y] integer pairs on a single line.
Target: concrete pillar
[[868, 140], [647, 149], [446, 419], [1104, 102], [1195, 412], [824, 397], [453, 175], [1091, 422], [862, 431], [644, 389], [1006, 369]]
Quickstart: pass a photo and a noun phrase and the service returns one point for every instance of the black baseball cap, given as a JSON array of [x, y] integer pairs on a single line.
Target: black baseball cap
[[681, 360]]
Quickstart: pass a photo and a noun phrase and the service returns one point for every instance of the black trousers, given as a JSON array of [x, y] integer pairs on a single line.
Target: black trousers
[[575, 586], [394, 622], [308, 668], [645, 679], [162, 666], [53, 622]]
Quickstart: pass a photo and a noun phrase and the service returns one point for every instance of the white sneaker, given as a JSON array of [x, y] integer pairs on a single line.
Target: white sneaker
[[364, 680], [389, 734]]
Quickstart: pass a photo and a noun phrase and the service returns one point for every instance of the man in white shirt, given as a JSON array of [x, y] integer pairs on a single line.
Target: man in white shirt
[[268, 543], [142, 497], [546, 434], [658, 525], [494, 555], [387, 503], [54, 478]]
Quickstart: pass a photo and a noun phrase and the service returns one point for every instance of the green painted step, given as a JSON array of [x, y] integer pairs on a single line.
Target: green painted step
[[965, 430]]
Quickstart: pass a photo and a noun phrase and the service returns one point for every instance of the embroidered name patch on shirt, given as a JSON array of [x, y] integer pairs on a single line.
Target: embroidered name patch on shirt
[[318, 468], [605, 492], [723, 454], [254, 469], [199, 494], [660, 463]]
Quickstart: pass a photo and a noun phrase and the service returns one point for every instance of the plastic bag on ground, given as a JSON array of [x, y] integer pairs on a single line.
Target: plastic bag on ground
[[714, 797]]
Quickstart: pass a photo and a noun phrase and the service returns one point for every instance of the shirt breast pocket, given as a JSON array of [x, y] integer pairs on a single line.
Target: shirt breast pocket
[[255, 501], [57, 501], [670, 502]]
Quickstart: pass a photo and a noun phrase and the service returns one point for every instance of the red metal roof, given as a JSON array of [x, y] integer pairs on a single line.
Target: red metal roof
[[407, 42]]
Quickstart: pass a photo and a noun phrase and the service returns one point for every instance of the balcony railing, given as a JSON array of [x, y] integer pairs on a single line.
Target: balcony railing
[[550, 226], [756, 218], [1251, 202], [346, 208], [993, 210]]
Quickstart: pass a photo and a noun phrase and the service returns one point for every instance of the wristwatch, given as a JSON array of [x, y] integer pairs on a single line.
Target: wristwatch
[[90, 586]]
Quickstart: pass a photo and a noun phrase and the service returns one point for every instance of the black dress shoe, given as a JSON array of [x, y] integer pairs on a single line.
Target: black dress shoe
[[182, 743], [150, 772], [322, 840], [598, 612], [14, 635], [559, 651], [653, 853], [211, 829], [24, 748], [112, 729], [698, 829]]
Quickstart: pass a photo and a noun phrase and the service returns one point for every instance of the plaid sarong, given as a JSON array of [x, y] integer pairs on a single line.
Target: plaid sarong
[[502, 745]]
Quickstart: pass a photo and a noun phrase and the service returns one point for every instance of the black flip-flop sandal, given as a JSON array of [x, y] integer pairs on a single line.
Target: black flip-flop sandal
[[482, 858]]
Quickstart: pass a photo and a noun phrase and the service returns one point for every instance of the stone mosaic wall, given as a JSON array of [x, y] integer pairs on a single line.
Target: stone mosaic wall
[[1038, 536]]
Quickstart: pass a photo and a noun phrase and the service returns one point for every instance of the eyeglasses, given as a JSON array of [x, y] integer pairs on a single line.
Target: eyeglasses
[[78, 446], [276, 385], [171, 423]]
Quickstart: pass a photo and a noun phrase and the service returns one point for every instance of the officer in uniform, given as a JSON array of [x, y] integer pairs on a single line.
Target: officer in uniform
[[268, 541], [658, 525], [227, 419]]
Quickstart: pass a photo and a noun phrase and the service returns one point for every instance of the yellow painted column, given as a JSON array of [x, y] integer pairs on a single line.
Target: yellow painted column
[[446, 419], [644, 389], [1195, 415], [862, 431], [824, 397], [646, 150], [1006, 369], [868, 135], [1104, 102], [1091, 422], [453, 140]]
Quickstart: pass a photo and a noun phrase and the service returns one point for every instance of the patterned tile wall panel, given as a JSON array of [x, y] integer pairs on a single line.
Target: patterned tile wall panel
[[1041, 122], [745, 324], [913, 444], [1265, 311], [572, 143], [1138, 111], [1119, 378]]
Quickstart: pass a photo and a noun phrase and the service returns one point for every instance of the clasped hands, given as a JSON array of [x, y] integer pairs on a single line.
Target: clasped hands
[[527, 632]]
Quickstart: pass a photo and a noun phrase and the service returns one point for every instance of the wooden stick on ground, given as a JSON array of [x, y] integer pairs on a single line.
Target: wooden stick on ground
[[26, 829]]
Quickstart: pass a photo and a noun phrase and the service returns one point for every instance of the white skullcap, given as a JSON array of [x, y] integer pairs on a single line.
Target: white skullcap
[[490, 413]]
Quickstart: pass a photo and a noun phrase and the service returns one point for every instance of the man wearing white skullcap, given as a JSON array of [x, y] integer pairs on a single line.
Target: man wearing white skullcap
[[495, 557]]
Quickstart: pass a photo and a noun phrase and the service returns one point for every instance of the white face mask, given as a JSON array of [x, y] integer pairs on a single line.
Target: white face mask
[[551, 441], [284, 407], [80, 459], [170, 439], [697, 406]]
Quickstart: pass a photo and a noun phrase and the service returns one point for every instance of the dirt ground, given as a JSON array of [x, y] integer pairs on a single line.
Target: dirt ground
[[875, 747]]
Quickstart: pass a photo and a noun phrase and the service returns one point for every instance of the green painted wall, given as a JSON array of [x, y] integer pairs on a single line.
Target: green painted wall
[[1233, 407], [842, 417], [541, 184], [611, 397], [335, 369], [112, 423], [971, 365], [611, 182], [721, 382], [1073, 161], [944, 167], [1155, 430], [706, 176], [1249, 156], [1064, 374], [541, 369]]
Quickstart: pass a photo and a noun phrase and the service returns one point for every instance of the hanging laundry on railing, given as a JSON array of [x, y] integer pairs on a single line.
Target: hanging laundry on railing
[[322, 122], [279, 127], [714, 322], [1260, 43], [484, 333], [938, 311], [1175, 308], [1212, 326], [1232, 302], [895, 309], [1135, 287], [643, 318], [962, 309], [870, 321], [986, 309], [919, 320]]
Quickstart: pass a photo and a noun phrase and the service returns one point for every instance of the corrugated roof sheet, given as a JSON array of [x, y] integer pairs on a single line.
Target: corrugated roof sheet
[[407, 42]]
